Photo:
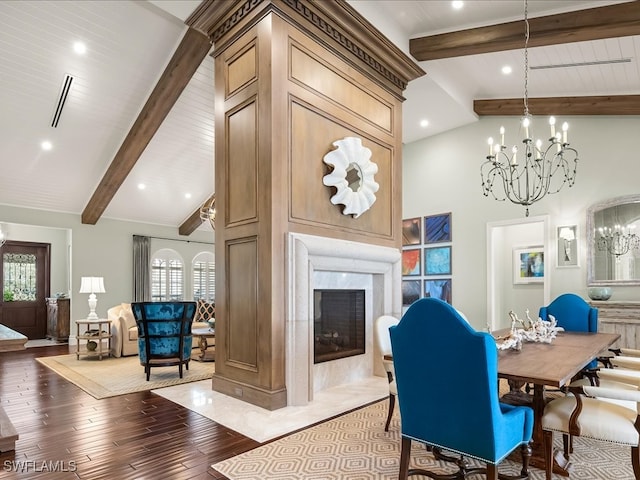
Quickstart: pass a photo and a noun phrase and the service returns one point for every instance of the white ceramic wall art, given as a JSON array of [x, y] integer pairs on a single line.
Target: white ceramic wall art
[[352, 176]]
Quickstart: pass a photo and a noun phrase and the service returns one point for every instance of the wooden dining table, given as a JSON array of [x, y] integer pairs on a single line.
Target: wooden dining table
[[544, 365]]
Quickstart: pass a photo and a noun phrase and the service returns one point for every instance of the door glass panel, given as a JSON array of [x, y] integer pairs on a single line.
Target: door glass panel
[[19, 277]]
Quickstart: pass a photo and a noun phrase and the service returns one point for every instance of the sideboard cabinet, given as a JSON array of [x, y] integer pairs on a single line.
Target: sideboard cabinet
[[622, 318], [58, 319]]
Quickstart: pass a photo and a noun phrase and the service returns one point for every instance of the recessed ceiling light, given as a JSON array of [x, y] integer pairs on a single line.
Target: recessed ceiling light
[[187, 195], [457, 4], [80, 48], [141, 186], [506, 70], [424, 123], [46, 145]]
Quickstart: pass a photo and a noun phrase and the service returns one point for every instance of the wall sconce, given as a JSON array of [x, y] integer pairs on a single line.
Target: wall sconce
[[568, 246]]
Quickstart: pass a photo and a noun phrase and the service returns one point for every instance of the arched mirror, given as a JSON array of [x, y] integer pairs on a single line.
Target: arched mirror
[[613, 242]]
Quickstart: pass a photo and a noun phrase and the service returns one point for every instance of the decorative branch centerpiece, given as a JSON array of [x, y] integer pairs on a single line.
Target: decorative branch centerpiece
[[541, 331]]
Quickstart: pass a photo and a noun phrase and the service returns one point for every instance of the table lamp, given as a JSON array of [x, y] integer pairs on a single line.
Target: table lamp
[[92, 285]]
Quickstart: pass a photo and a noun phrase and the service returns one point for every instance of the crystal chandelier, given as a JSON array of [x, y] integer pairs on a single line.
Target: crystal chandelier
[[618, 240], [538, 170], [208, 212]]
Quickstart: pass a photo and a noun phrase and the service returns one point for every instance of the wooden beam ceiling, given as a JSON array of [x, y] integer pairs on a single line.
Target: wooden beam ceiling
[[194, 221], [619, 20], [185, 61], [596, 105]]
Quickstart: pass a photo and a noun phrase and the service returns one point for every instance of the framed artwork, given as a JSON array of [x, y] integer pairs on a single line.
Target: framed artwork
[[411, 262], [437, 260], [411, 231], [437, 228], [567, 236], [440, 288], [410, 291], [528, 265]]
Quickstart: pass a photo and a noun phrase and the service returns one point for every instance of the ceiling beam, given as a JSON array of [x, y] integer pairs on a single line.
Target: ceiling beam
[[194, 221], [185, 61], [619, 20], [596, 105]]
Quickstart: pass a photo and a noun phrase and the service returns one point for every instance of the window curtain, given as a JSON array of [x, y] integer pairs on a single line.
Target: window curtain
[[141, 274]]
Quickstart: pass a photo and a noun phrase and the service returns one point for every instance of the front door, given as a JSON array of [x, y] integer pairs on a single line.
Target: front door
[[24, 276]]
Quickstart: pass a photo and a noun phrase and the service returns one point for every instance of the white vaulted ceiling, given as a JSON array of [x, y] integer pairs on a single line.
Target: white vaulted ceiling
[[129, 43]]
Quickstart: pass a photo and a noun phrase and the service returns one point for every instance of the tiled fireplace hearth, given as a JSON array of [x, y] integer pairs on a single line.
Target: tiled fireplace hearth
[[327, 263]]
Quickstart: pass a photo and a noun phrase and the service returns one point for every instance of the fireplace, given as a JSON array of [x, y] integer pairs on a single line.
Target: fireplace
[[321, 263], [338, 324]]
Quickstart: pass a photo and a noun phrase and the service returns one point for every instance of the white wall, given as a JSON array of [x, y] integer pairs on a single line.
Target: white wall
[[442, 174], [104, 250]]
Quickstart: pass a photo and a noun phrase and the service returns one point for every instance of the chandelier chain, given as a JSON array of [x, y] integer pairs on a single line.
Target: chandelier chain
[[526, 58]]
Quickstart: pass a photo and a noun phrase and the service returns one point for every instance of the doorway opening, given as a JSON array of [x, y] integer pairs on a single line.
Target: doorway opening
[[504, 240]]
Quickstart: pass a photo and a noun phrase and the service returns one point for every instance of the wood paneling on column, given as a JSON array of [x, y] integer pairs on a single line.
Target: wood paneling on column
[[292, 77]]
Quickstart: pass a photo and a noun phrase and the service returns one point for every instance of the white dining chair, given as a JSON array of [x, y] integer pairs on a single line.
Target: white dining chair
[[383, 341], [585, 413]]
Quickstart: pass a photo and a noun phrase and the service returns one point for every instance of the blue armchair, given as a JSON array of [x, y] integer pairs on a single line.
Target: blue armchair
[[164, 333], [435, 405], [573, 314]]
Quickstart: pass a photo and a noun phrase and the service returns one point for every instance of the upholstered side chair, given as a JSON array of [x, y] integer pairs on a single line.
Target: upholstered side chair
[[581, 415], [436, 408], [573, 314], [383, 342], [164, 334]]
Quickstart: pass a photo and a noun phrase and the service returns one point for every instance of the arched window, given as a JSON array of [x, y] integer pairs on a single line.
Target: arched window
[[167, 276], [204, 277]]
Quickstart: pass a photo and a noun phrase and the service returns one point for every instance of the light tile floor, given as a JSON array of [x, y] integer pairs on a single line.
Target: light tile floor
[[42, 342], [262, 425]]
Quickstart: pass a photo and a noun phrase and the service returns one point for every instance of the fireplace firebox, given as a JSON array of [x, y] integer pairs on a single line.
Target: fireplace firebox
[[339, 324]]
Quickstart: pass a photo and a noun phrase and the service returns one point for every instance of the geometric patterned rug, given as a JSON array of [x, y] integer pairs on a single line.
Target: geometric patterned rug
[[111, 376], [356, 447]]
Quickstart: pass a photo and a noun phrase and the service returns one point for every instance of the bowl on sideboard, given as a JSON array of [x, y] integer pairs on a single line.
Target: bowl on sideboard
[[599, 293]]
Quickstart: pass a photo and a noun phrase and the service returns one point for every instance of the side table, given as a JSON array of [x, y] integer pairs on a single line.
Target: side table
[[206, 342], [98, 331]]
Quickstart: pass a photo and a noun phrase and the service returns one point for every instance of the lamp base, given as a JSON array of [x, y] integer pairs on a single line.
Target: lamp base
[[93, 303]]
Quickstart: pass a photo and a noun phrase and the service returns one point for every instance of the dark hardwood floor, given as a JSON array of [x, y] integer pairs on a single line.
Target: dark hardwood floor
[[135, 436]]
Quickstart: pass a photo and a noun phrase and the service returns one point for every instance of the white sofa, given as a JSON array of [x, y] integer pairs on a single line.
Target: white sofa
[[124, 331]]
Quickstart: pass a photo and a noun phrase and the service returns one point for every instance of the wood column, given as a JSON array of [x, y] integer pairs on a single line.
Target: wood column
[[292, 77]]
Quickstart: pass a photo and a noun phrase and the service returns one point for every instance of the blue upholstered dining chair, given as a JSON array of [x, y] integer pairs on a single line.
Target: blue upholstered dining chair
[[164, 333], [573, 314], [436, 406]]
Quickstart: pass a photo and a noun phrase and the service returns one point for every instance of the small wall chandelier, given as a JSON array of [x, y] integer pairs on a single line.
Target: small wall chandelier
[[539, 170], [208, 212], [618, 240]]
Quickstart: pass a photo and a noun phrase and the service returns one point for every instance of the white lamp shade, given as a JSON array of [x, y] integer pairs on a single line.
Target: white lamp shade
[[92, 285], [567, 234]]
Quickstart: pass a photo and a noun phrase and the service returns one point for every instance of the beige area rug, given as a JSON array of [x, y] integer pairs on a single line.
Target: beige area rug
[[111, 377], [355, 446]]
